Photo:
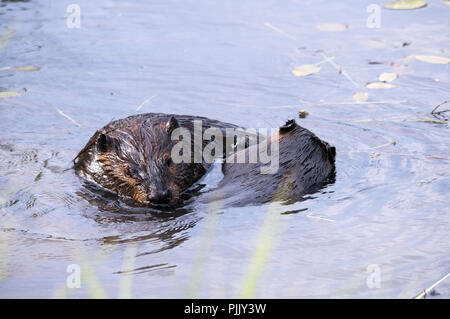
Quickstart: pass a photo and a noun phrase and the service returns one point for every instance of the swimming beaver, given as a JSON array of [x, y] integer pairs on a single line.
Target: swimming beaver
[[305, 164], [132, 157]]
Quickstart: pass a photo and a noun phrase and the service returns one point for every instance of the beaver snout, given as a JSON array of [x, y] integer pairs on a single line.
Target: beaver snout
[[160, 197]]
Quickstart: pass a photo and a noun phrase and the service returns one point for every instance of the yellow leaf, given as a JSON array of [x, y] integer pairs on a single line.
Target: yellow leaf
[[387, 77], [433, 59], [379, 85], [6, 94], [331, 27], [447, 2], [405, 4], [306, 69], [360, 97], [26, 68]]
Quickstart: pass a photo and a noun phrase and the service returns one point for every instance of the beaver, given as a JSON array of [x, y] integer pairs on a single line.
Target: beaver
[[132, 157], [306, 163]]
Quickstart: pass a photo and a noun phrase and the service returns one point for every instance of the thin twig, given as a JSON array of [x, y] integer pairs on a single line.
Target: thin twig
[[351, 103], [426, 291], [325, 60], [435, 108], [311, 104], [438, 157], [147, 100], [344, 73], [430, 121], [437, 114], [68, 117], [319, 217], [5, 36], [267, 24], [374, 147]]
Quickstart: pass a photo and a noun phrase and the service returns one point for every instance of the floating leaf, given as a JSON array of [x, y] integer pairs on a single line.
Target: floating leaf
[[6, 94], [447, 2], [374, 43], [331, 27], [379, 85], [387, 77], [405, 4], [433, 59], [26, 68], [360, 97], [306, 69]]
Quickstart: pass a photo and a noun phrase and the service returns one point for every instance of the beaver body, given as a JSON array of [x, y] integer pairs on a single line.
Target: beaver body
[[306, 163], [132, 158]]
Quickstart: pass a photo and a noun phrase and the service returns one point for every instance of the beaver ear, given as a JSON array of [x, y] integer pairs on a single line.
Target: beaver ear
[[104, 143], [287, 127], [171, 124], [332, 153]]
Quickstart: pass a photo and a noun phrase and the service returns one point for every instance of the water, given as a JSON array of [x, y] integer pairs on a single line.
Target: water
[[387, 212]]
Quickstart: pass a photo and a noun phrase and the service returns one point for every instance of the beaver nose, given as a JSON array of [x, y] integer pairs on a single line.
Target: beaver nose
[[160, 197]]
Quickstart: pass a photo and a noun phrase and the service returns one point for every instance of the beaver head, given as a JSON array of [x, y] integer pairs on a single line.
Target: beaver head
[[328, 152], [132, 157]]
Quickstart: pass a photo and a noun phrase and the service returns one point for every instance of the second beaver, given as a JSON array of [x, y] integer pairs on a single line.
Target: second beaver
[[306, 163]]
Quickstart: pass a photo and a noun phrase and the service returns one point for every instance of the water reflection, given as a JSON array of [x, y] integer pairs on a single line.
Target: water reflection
[[387, 206]]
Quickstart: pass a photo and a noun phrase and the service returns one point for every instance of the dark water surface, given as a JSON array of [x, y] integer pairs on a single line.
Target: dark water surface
[[230, 60]]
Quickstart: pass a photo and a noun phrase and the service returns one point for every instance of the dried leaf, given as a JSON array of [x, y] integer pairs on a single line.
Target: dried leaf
[[433, 59], [26, 68], [331, 27], [360, 97], [6, 94], [374, 43], [306, 69], [387, 77], [405, 4], [379, 85]]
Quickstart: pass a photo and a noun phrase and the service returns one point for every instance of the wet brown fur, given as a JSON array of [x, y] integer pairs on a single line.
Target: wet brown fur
[[130, 157], [305, 163]]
